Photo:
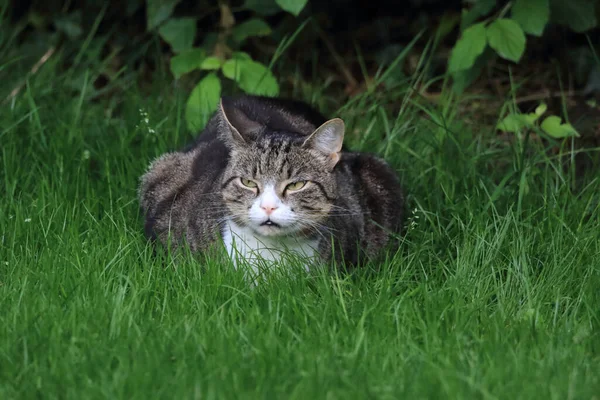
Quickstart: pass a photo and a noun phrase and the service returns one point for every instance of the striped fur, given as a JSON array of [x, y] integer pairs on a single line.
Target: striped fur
[[353, 200]]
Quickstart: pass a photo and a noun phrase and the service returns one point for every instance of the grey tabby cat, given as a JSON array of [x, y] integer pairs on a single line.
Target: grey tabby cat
[[268, 175]]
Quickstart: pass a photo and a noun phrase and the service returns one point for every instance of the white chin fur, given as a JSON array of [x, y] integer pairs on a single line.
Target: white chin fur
[[282, 215]]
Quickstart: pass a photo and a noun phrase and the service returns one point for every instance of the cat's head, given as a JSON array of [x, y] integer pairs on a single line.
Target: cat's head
[[279, 182]]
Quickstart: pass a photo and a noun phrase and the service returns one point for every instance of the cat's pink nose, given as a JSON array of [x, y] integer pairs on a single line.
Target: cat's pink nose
[[269, 208]]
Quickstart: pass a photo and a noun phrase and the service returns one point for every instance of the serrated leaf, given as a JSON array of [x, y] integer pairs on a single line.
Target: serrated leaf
[[579, 15], [179, 33], [466, 50], [187, 61], [203, 102], [539, 110], [532, 15], [292, 6], [250, 28], [211, 63], [158, 11], [251, 76], [554, 127], [507, 38]]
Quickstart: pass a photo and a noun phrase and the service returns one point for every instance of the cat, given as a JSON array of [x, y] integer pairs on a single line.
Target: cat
[[268, 175]]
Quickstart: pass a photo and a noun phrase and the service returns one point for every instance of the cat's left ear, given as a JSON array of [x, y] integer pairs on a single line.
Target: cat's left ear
[[241, 129], [328, 139]]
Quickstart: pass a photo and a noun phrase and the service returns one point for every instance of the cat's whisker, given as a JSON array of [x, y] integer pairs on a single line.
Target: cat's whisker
[[316, 226]]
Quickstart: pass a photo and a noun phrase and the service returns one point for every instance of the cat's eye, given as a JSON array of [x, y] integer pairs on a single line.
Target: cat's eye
[[248, 183], [295, 186]]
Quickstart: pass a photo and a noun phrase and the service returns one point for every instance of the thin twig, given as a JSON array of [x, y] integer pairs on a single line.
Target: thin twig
[[34, 69], [226, 23]]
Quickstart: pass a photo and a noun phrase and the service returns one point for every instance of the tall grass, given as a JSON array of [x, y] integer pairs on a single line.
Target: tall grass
[[494, 292]]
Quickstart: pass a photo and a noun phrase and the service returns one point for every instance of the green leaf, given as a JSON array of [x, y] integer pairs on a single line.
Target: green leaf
[[179, 33], [158, 11], [211, 63], [263, 7], [516, 122], [511, 123], [539, 110], [532, 15], [507, 38], [251, 76], [292, 6], [466, 50], [252, 27], [530, 118], [579, 15], [552, 126], [187, 61], [203, 102], [231, 68], [240, 55]]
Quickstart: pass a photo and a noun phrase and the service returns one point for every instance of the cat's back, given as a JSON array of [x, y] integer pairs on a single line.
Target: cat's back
[[275, 115], [278, 114]]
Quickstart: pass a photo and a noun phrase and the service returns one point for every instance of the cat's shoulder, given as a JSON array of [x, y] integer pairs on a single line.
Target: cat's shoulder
[[369, 168], [358, 161]]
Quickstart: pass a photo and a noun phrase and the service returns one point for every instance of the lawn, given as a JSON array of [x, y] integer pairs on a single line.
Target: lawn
[[494, 292]]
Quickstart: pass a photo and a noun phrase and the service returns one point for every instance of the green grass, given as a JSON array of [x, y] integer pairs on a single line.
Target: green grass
[[495, 292]]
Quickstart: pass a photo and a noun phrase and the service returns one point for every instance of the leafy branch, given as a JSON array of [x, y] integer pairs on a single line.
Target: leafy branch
[[506, 36], [552, 125], [223, 61]]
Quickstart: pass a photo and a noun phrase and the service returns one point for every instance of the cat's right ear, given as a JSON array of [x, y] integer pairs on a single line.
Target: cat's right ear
[[328, 139], [241, 129]]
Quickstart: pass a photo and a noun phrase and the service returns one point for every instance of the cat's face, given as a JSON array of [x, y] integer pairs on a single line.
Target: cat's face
[[276, 187], [279, 183]]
